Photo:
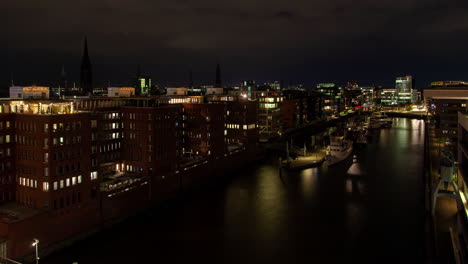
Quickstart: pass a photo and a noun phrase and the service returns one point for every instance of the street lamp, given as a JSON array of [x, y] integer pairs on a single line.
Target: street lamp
[[34, 244]]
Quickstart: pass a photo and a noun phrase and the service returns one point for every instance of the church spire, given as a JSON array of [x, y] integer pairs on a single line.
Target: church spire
[[86, 76], [190, 79], [218, 76]]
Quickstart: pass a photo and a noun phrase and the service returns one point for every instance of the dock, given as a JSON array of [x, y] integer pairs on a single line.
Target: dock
[[313, 159]]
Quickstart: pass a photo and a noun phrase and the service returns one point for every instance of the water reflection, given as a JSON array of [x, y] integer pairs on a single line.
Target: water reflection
[[309, 182]]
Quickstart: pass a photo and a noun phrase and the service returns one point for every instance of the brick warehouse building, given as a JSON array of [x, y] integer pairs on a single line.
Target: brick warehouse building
[[66, 167]]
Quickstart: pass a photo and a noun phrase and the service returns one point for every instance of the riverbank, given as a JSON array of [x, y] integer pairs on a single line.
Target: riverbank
[[408, 114]]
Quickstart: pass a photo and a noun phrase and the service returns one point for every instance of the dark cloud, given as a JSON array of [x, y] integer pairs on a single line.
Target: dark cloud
[[308, 41]]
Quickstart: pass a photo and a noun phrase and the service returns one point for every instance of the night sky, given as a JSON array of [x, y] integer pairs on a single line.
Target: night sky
[[295, 41]]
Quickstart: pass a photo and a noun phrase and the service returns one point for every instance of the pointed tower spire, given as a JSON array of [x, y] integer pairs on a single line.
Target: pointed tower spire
[[86, 76], [63, 79], [62, 72], [218, 76], [190, 79]]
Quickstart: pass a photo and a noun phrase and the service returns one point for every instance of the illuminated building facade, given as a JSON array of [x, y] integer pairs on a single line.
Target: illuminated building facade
[[445, 103], [404, 89], [143, 85], [269, 113], [449, 84], [388, 97], [29, 92], [120, 91], [176, 91], [368, 95], [249, 86], [67, 167], [461, 232], [333, 103]]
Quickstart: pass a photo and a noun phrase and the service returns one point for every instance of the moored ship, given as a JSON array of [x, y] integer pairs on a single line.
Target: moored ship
[[340, 149]]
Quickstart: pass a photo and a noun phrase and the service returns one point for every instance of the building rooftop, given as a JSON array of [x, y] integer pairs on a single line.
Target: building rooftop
[[13, 212]]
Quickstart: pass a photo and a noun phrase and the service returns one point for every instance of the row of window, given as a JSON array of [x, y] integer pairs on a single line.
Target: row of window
[[5, 124], [106, 147], [58, 204], [60, 170], [7, 139], [5, 165], [5, 152], [31, 183], [60, 141], [115, 115], [446, 132], [67, 126]]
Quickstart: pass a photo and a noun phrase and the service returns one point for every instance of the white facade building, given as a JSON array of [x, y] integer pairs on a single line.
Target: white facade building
[[214, 91], [176, 91], [120, 91], [29, 92]]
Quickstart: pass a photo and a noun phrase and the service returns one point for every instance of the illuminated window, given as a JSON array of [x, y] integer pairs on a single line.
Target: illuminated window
[[46, 171], [79, 178], [73, 180], [62, 184], [55, 186], [45, 186], [7, 138], [67, 182], [93, 175]]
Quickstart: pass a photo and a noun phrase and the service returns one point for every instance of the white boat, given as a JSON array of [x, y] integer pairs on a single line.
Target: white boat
[[339, 150]]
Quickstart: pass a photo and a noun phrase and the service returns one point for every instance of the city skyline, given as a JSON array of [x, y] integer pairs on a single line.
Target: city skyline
[[303, 43]]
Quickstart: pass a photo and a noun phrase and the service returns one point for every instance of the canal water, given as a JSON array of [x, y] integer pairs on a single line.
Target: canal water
[[369, 210]]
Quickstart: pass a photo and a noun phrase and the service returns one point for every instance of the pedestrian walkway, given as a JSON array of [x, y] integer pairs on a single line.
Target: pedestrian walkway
[[312, 159]]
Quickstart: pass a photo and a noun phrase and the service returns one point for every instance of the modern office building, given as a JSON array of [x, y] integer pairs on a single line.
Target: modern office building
[[334, 102], [445, 103], [404, 89], [388, 97]]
